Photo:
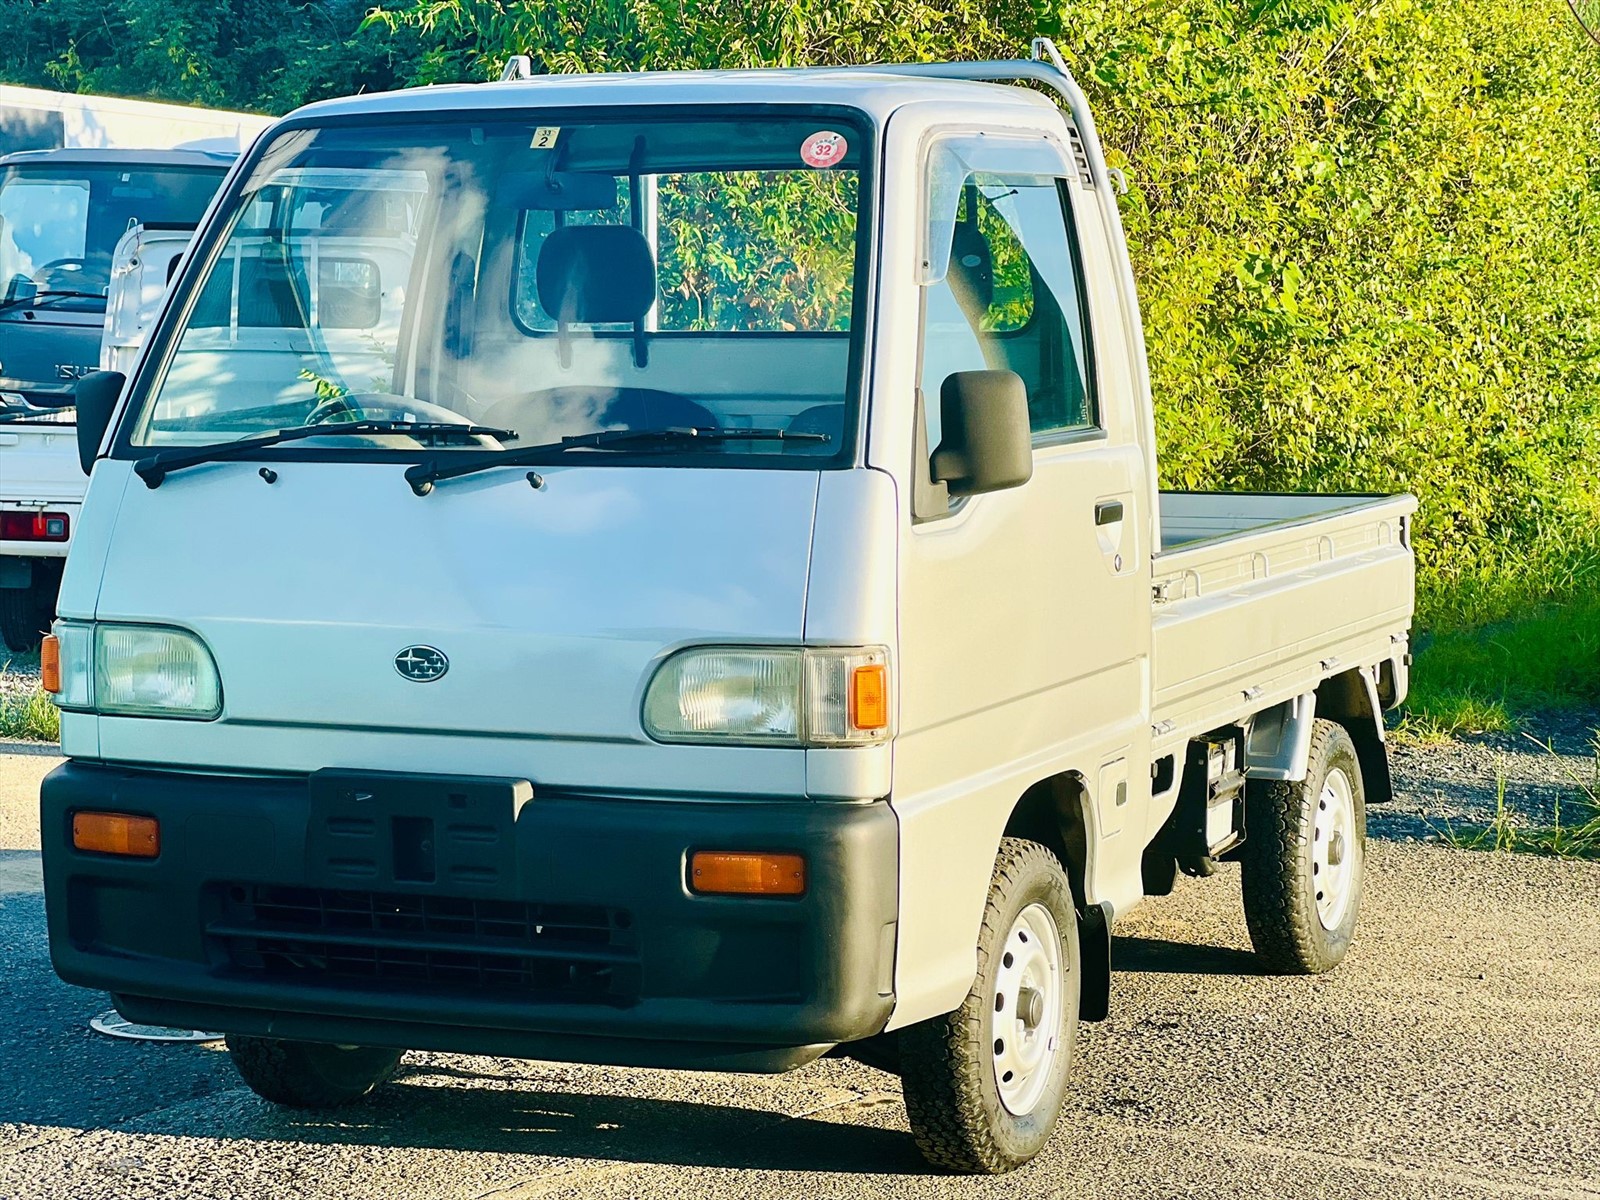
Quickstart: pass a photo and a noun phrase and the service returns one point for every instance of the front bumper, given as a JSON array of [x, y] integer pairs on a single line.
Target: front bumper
[[567, 934]]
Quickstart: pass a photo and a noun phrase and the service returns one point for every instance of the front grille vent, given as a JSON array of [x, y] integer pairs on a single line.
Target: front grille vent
[[546, 953]]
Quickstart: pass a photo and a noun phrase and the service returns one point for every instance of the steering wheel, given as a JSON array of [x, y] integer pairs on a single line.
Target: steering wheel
[[382, 406], [60, 274]]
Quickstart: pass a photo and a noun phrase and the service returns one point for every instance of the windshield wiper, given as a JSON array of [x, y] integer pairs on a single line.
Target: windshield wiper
[[52, 295], [158, 466], [424, 475]]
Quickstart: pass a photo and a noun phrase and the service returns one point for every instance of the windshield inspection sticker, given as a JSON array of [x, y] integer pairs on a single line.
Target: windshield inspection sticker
[[545, 137], [824, 149]]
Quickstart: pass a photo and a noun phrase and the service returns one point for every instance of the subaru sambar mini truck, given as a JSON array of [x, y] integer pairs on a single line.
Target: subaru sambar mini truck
[[668, 569]]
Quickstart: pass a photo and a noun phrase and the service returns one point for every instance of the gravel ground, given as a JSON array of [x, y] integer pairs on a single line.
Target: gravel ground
[[1551, 761], [19, 673]]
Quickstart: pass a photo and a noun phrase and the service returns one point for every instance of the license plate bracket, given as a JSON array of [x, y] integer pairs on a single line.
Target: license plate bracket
[[401, 830]]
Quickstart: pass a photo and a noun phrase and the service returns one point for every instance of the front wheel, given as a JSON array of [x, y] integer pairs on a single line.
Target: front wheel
[[1304, 858], [309, 1074], [984, 1084]]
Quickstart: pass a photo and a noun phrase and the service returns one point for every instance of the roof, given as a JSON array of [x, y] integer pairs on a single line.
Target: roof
[[877, 93], [121, 157]]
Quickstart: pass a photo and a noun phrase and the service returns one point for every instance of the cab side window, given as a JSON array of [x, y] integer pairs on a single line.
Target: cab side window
[[1010, 297]]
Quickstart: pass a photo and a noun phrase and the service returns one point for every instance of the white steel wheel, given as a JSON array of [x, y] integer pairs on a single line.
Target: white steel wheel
[[1304, 857], [1026, 1025], [1333, 848], [984, 1085]]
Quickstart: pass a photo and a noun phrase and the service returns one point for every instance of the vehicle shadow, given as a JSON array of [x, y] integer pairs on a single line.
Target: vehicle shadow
[[1159, 956], [569, 1125]]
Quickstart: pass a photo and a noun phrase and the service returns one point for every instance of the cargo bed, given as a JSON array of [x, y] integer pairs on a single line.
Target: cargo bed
[[1259, 597]]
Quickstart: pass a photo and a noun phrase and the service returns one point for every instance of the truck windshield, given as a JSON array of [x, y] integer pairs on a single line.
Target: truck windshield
[[548, 276], [60, 224]]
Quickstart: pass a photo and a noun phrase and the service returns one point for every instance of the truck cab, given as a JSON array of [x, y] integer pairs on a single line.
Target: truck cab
[[62, 215], [679, 579]]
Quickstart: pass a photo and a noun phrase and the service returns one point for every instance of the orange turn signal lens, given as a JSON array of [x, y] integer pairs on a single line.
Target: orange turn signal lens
[[116, 833], [731, 873], [869, 697], [50, 664]]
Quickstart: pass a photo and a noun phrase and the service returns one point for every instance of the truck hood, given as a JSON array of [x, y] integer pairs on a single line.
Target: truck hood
[[552, 605]]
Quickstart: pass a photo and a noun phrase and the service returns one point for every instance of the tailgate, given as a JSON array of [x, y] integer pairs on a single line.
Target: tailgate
[[39, 462]]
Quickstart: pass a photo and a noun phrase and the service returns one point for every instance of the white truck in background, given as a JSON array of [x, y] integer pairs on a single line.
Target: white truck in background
[[77, 175], [495, 631], [40, 119]]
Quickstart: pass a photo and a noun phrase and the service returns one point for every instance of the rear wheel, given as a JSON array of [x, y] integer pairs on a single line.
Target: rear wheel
[[1305, 858], [24, 618], [984, 1084], [309, 1074]]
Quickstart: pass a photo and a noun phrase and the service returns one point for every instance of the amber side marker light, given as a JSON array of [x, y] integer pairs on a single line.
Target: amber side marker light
[[735, 873], [116, 833], [50, 664], [869, 697]]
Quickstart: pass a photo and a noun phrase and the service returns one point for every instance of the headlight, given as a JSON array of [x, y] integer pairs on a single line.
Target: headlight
[[136, 670], [771, 696]]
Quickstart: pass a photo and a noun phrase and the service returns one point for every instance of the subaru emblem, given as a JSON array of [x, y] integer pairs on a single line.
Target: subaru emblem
[[421, 664]]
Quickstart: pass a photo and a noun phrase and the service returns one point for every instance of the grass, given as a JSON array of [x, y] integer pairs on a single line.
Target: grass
[[29, 716], [1483, 680], [1569, 838]]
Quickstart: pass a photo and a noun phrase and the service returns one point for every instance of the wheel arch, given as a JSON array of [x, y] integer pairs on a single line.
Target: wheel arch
[[1351, 698], [1057, 813]]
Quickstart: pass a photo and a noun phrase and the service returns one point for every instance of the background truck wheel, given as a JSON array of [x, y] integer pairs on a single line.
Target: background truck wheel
[[1304, 858], [24, 619], [310, 1075], [983, 1085]]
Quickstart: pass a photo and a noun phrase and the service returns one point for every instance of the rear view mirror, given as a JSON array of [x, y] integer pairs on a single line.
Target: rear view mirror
[[558, 191], [96, 396], [987, 444]]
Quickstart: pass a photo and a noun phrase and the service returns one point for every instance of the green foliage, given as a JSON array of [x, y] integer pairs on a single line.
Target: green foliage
[[767, 250], [263, 55], [1481, 680]]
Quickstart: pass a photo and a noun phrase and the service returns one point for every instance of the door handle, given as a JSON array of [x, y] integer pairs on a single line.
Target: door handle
[[1108, 512]]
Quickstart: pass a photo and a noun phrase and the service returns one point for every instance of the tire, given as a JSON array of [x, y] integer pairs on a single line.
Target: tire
[[952, 1066], [309, 1074], [23, 619], [1304, 859]]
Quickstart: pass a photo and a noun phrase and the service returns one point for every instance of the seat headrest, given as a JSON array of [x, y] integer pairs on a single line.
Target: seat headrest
[[596, 275]]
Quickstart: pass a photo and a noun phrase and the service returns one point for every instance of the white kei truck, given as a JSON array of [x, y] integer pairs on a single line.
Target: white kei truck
[[685, 585]]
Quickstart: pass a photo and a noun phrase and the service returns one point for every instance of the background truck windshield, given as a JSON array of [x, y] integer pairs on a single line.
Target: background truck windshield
[[542, 276], [60, 224]]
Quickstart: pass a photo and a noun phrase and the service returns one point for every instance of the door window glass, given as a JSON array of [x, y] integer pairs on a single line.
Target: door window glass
[[1010, 296]]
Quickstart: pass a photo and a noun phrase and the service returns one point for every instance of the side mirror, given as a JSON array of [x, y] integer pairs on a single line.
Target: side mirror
[[986, 444], [96, 395], [21, 290]]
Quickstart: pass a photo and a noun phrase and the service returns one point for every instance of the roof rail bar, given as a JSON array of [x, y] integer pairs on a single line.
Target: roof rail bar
[[518, 66], [1046, 66]]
